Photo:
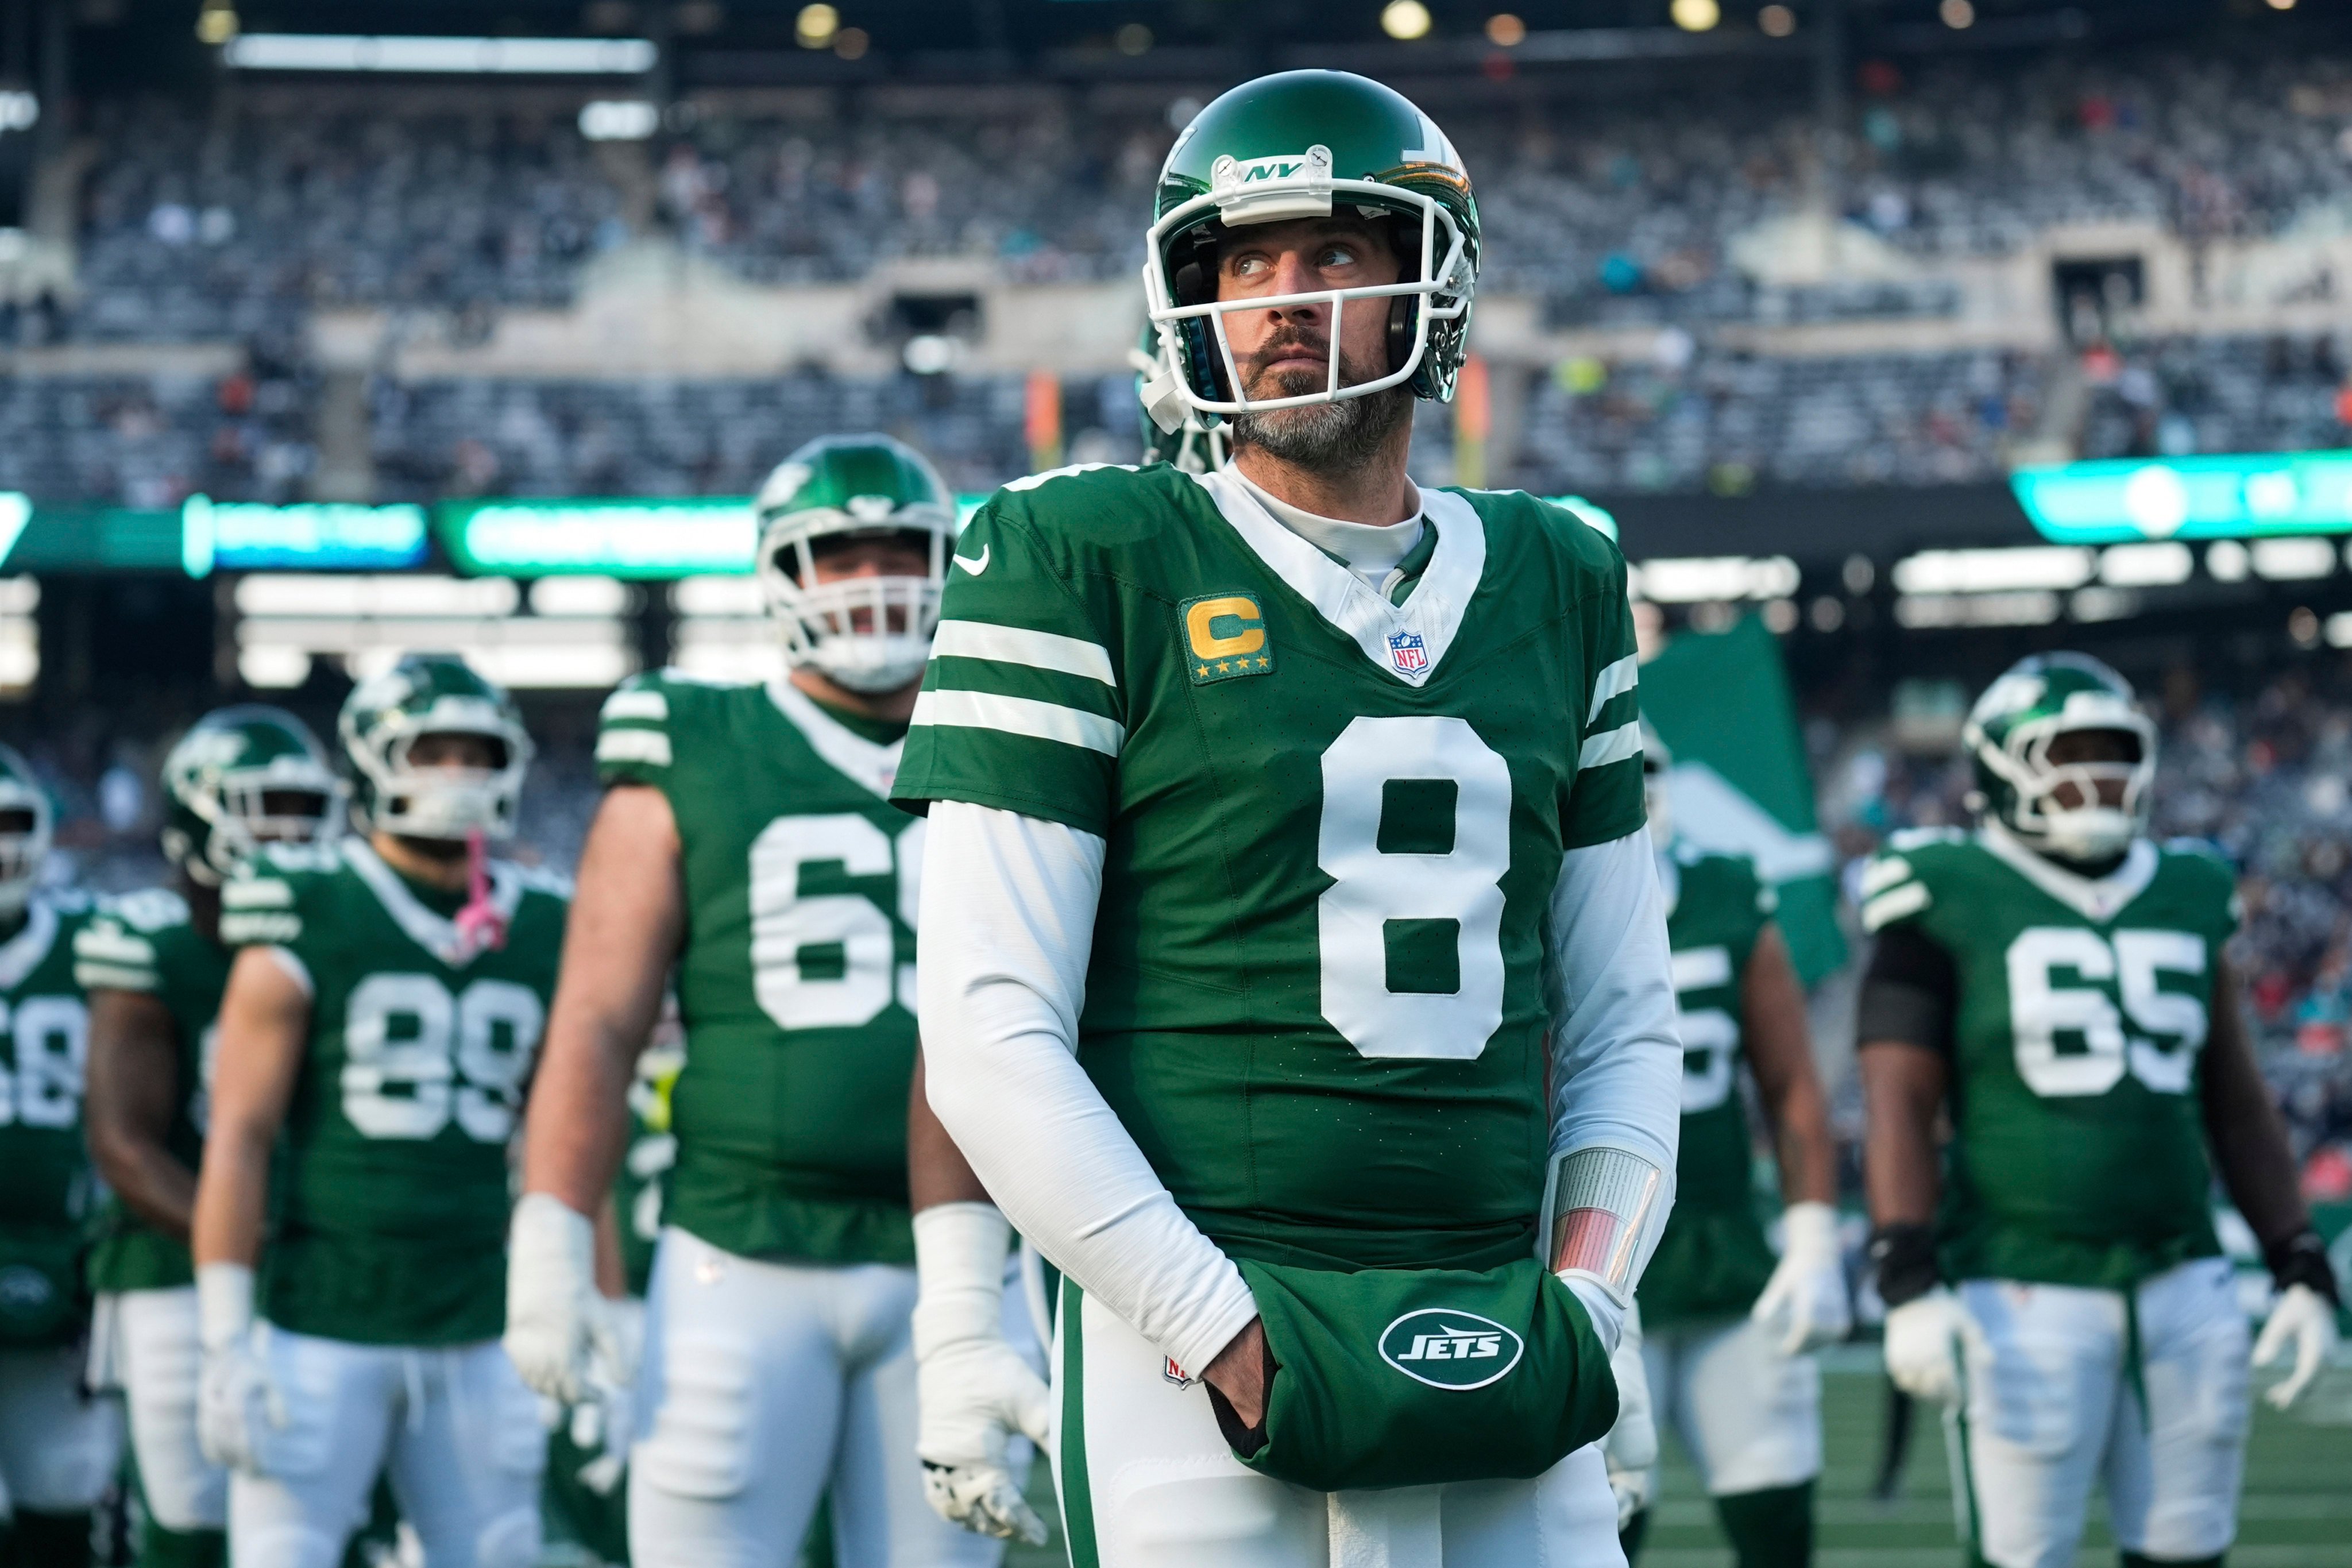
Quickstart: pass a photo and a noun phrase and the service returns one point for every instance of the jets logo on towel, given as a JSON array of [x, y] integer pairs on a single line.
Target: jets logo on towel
[[1458, 1350]]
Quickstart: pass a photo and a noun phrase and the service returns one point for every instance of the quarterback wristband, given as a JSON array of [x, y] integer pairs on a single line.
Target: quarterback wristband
[[1904, 1257], [223, 1303], [960, 1253], [2301, 1259], [1603, 1210]]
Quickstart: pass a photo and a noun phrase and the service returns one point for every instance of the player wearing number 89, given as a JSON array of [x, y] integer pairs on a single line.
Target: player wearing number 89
[[1286, 846], [2057, 982], [382, 1012], [746, 837]]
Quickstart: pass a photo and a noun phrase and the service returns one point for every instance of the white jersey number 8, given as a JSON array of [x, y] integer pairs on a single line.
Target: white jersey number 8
[[445, 1055], [1371, 888]]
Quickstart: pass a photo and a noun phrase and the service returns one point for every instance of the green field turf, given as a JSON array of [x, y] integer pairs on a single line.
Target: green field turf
[[2297, 1510]]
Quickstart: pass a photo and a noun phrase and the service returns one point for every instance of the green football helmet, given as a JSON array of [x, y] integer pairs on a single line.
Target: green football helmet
[[243, 777], [1296, 145], [867, 633], [2009, 734], [27, 822], [1197, 446], [432, 694]]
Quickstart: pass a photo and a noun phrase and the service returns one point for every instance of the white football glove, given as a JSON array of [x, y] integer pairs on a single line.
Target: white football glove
[[604, 1422], [1805, 1300], [552, 1306], [2304, 1320], [973, 1388], [234, 1391], [1925, 1341], [1630, 1449]]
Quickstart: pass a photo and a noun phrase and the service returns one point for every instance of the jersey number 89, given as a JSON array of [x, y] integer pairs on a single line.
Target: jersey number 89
[[417, 1055]]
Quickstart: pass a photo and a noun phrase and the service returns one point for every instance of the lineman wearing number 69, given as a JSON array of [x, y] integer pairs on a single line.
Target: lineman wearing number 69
[[2058, 981], [1289, 920], [746, 837]]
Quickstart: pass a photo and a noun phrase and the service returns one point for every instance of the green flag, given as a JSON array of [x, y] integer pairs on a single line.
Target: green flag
[[1720, 702]]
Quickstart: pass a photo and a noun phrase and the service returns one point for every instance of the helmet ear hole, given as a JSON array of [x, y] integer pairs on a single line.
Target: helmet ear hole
[[1404, 313]]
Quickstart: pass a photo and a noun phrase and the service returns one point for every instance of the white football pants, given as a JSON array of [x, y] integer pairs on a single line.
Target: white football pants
[[2052, 1405], [460, 1435], [1149, 1481], [765, 1386], [146, 1344], [58, 1446], [1750, 1418]]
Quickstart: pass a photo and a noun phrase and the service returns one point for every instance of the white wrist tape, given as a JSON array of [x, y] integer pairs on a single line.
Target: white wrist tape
[[223, 1304], [1603, 1210], [551, 1241], [1810, 1230], [960, 1253]]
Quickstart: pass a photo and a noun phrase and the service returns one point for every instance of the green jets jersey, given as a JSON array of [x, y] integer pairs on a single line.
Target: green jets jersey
[[144, 942], [796, 981], [391, 1225], [2079, 1153], [1713, 1259], [1333, 825], [47, 1199]]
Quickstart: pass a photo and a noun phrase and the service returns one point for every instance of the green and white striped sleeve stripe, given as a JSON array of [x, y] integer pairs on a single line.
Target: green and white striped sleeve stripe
[[258, 909], [1613, 723], [1890, 892], [109, 958], [633, 734], [1019, 718]]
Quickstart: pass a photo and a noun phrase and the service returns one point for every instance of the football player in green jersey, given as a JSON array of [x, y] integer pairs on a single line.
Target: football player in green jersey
[[57, 1446], [382, 1017], [155, 966], [1291, 936], [2056, 985], [1725, 1325], [746, 840]]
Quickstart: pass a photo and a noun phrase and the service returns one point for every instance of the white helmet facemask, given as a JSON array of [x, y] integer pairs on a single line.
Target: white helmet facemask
[[25, 827], [2088, 830], [867, 633], [287, 800], [445, 803]]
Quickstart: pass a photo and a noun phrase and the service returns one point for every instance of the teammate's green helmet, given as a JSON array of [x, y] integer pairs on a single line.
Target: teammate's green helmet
[[26, 822], [432, 694], [1196, 445], [242, 777], [868, 633], [1298, 145], [2009, 732]]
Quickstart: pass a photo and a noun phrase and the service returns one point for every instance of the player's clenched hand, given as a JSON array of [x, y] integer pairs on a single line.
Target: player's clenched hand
[[1630, 1449], [2306, 1321], [552, 1302], [974, 1389], [1925, 1337], [1805, 1300], [1238, 1373]]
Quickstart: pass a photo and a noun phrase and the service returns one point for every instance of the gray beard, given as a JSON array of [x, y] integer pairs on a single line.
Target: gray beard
[[1327, 437]]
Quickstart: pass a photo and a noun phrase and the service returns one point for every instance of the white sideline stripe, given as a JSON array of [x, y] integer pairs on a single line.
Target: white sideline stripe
[[649, 746], [1611, 746], [261, 893], [1893, 904], [1019, 644], [1020, 716], [651, 706], [1615, 681], [1884, 873]]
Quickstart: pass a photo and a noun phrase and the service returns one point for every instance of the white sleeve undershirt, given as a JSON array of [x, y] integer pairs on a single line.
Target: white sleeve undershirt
[[1005, 930]]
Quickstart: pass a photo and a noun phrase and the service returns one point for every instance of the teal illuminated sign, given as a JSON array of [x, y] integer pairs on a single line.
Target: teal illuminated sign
[[683, 537], [244, 536], [2114, 501]]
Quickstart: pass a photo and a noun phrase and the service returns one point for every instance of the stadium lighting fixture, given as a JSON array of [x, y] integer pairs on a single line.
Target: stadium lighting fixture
[[18, 110], [439, 55], [816, 25], [1506, 31], [619, 120], [216, 22], [1957, 14], [1405, 20], [1696, 16], [2039, 566], [2281, 4], [1776, 21]]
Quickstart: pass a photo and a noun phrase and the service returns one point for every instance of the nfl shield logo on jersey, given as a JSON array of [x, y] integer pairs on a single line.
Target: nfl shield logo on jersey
[[1405, 648]]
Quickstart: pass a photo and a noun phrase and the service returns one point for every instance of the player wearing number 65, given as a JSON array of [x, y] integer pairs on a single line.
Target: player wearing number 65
[[2057, 981], [379, 1023], [1289, 922]]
